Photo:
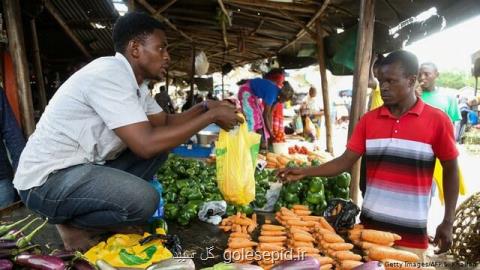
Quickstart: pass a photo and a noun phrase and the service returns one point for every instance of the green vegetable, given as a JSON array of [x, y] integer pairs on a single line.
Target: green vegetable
[[279, 204], [246, 209], [316, 162], [171, 211], [132, 259], [294, 187], [343, 180], [315, 197], [184, 218], [230, 210], [181, 184], [170, 197], [316, 185], [194, 194], [291, 164], [343, 193], [291, 198]]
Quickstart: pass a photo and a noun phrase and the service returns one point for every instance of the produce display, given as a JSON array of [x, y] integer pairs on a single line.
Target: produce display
[[314, 192], [188, 183], [298, 157]]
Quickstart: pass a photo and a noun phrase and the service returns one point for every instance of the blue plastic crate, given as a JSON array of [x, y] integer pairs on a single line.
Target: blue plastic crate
[[192, 150]]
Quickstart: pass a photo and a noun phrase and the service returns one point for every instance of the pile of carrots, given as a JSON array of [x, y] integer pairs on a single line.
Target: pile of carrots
[[271, 245], [301, 234], [334, 245], [276, 161], [377, 246], [240, 244]]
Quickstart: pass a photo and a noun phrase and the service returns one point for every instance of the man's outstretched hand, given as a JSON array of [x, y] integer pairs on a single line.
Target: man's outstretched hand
[[290, 174]]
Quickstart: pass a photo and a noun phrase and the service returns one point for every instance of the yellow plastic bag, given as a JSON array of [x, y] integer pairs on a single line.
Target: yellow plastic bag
[[124, 250], [237, 152], [438, 177]]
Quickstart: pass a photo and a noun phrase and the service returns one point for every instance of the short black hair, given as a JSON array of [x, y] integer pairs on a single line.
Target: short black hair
[[407, 60], [430, 64], [133, 25], [274, 72], [287, 91]]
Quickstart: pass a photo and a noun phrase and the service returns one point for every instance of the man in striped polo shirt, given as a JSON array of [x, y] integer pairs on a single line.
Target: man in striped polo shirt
[[400, 140]]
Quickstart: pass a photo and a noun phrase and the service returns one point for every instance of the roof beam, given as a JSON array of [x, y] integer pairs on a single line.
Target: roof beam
[[165, 7], [272, 5], [161, 18], [309, 24], [58, 17]]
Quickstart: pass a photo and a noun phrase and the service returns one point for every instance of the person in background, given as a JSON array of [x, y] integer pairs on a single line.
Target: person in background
[[103, 137], [313, 109], [278, 128], [431, 95], [257, 98], [401, 140], [164, 100], [12, 135]]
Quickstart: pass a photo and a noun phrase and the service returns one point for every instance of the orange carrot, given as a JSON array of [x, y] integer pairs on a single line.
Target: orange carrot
[[347, 255], [347, 264], [270, 247], [266, 239], [300, 207], [324, 223], [340, 246], [302, 237], [273, 233], [333, 238], [268, 227], [379, 237]]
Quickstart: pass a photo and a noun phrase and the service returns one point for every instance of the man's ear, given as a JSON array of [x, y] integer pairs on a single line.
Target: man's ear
[[133, 48]]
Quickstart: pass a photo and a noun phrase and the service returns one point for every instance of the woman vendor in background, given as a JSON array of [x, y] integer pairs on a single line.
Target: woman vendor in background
[[257, 98]]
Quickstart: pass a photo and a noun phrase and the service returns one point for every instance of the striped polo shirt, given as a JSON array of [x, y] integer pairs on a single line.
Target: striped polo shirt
[[400, 156]]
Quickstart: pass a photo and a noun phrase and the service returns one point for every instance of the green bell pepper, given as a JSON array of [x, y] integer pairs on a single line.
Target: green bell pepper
[[291, 164], [246, 209], [294, 187], [194, 194], [291, 198], [184, 218], [316, 185], [181, 184], [171, 211], [316, 162], [343, 193], [170, 197], [315, 197], [343, 180], [194, 205], [230, 210]]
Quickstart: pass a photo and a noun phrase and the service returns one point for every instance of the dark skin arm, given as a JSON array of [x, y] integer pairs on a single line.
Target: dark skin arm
[[331, 168], [443, 236], [162, 119], [267, 116], [148, 140]]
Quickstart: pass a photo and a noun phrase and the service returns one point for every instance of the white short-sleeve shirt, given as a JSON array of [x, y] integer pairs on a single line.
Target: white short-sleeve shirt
[[77, 125]]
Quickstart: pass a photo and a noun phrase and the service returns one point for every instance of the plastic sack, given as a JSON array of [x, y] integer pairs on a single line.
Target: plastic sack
[[212, 212], [124, 250], [438, 177], [273, 193], [341, 213], [201, 64], [237, 152]]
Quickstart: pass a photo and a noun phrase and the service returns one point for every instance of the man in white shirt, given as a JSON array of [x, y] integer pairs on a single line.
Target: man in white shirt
[[102, 136]]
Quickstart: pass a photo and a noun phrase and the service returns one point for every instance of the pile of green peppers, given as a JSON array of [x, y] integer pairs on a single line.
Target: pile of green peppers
[[188, 183], [314, 191]]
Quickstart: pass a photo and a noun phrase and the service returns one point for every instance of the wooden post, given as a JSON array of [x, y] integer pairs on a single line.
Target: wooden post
[[325, 93], [192, 77], [38, 66], [131, 5], [58, 17], [363, 56], [17, 49]]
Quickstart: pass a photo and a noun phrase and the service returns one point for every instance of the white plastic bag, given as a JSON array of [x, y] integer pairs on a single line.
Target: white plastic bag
[[201, 64], [212, 212]]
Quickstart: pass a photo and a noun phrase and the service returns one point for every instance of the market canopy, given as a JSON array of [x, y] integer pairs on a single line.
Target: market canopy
[[235, 31]]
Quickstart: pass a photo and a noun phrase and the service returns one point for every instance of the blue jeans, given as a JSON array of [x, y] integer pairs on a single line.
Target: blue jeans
[[92, 196], [7, 192]]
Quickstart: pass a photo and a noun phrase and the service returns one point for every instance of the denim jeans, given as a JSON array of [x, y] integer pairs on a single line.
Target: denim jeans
[[7, 192], [93, 196]]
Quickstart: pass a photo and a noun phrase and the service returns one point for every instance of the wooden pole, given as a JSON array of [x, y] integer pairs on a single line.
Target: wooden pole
[[325, 93], [363, 56], [58, 17], [131, 5], [17, 49], [38, 66]]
